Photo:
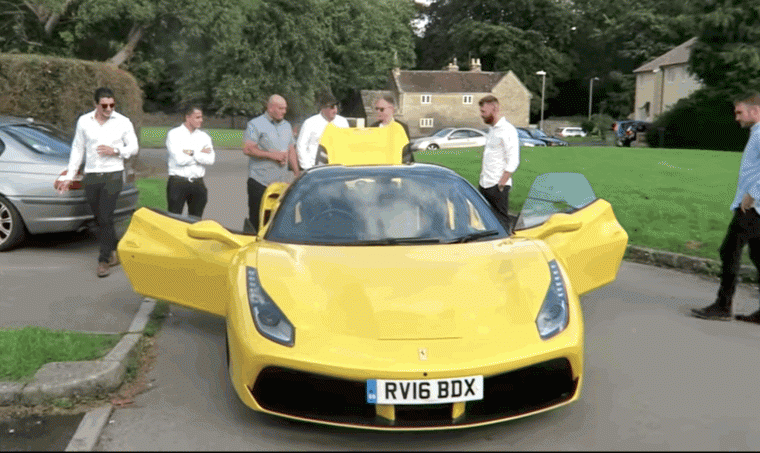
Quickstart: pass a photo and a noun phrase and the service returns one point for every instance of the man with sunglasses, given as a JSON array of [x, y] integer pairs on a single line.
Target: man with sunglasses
[[385, 107], [307, 145], [104, 138]]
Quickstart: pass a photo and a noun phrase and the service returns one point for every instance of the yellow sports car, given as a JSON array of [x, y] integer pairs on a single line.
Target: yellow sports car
[[387, 295]]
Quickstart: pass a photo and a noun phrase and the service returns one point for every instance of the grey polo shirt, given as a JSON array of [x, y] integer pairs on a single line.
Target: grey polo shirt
[[269, 135]]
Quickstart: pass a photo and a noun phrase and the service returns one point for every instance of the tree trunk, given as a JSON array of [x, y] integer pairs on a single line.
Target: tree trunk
[[53, 19], [135, 35]]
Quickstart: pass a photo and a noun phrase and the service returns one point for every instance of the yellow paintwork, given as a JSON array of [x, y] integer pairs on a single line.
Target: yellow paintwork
[[163, 261], [591, 247], [365, 312], [269, 203], [364, 146]]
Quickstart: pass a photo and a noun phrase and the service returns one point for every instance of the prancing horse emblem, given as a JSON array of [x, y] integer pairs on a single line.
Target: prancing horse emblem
[[423, 353]]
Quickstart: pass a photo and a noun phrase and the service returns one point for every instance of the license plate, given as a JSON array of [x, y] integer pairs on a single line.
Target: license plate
[[425, 391]]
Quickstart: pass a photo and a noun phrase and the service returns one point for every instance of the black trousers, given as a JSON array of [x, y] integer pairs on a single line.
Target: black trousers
[[102, 191], [499, 201], [744, 229], [180, 190], [255, 192]]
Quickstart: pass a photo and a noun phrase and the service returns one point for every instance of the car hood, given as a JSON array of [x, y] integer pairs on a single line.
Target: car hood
[[407, 292]]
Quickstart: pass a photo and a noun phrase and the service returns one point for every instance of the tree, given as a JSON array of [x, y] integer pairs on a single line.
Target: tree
[[365, 39], [551, 19], [726, 56], [503, 48]]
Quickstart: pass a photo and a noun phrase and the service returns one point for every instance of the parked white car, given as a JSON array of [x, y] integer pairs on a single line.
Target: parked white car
[[570, 131], [451, 137]]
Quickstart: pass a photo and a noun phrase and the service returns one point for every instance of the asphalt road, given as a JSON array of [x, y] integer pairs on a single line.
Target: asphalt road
[[655, 377]]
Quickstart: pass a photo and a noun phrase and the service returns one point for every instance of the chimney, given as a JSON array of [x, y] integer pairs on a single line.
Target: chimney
[[452, 67], [475, 65]]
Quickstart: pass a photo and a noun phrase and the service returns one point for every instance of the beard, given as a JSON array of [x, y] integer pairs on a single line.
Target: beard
[[488, 119]]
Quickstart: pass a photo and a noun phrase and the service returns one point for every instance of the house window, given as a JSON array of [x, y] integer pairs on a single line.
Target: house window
[[426, 122], [467, 99], [425, 99]]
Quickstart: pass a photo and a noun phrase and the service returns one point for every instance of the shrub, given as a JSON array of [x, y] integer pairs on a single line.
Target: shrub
[[59, 90], [704, 120]]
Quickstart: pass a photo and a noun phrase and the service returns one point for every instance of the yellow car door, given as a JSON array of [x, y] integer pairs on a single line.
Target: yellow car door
[[170, 258], [562, 210]]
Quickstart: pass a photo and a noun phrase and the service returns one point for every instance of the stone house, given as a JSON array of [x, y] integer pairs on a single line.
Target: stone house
[[431, 100], [661, 82]]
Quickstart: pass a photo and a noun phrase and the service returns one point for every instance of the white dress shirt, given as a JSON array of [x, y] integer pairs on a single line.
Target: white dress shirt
[[308, 138], [180, 163], [501, 153], [117, 132]]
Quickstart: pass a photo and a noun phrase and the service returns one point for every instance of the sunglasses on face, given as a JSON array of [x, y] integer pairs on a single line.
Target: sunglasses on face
[[105, 106]]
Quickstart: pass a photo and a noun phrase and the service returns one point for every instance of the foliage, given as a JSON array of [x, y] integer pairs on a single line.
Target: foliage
[[704, 120], [726, 55], [504, 48], [551, 20], [364, 40], [726, 58], [58, 90]]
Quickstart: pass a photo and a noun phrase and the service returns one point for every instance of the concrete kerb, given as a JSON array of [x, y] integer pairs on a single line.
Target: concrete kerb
[[80, 379]]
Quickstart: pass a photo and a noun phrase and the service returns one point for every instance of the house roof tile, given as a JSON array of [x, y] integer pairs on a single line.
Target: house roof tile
[[448, 81], [678, 55]]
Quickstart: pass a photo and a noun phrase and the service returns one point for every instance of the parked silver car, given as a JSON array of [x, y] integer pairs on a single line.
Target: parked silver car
[[32, 156], [451, 137]]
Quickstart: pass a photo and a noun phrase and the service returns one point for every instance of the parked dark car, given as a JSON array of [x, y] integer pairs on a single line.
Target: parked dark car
[[626, 131], [527, 140], [538, 134], [32, 156]]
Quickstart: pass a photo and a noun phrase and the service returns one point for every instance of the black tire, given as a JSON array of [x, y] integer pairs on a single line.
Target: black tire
[[12, 229], [432, 147]]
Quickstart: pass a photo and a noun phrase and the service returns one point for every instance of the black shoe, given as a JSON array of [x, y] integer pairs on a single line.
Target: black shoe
[[754, 317], [714, 311]]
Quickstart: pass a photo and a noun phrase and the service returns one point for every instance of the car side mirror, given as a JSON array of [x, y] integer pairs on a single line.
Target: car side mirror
[[209, 229]]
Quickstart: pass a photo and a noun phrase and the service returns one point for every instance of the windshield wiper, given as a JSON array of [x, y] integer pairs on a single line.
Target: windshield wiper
[[398, 241], [474, 236]]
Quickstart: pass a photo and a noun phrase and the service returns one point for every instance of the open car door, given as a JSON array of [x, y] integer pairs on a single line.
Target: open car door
[[180, 259], [563, 211]]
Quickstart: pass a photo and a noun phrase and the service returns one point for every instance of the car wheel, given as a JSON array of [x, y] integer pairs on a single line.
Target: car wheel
[[432, 147], [12, 229]]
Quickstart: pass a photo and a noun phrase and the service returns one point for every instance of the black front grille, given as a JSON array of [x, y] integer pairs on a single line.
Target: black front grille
[[335, 400]]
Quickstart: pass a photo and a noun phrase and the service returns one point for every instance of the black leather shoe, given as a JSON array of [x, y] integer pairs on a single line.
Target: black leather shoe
[[714, 311], [754, 317]]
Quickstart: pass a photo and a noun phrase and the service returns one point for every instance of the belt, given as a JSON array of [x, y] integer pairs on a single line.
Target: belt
[[200, 178]]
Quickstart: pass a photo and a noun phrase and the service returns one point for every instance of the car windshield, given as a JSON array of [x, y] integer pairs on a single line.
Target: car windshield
[[538, 133], [382, 205], [442, 132], [42, 138], [522, 133]]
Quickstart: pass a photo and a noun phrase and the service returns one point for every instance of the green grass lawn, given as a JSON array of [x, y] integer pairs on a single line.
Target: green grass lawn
[[155, 137], [668, 199], [25, 350]]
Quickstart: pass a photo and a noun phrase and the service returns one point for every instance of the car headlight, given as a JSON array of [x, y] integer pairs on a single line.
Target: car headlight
[[554, 314], [267, 316]]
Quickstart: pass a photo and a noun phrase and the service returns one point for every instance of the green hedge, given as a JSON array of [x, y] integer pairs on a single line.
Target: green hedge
[[704, 120], [59, 90]]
